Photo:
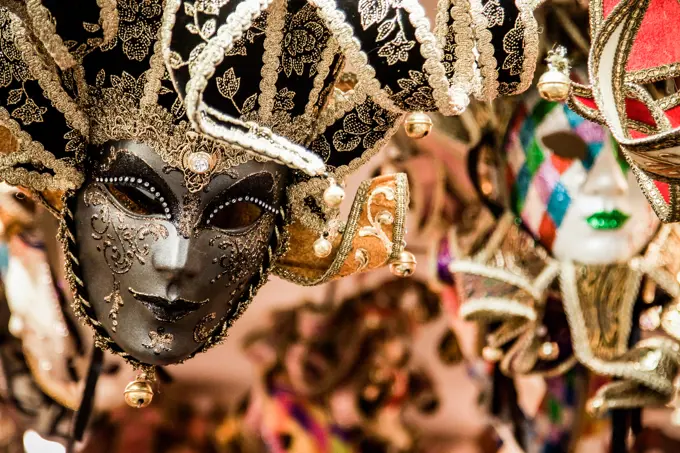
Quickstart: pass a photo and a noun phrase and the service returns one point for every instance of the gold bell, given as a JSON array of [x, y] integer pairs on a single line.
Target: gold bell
[[549, 351], [554, 84], [405, 265], [139, 393], [492, 354], [417, 125]]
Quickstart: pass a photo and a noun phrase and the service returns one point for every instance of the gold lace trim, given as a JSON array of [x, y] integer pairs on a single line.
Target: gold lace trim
[[46, 30], [108, 17], [464, 67], [65, 177], [649, 75], [488, 65], [116, 117], [669, 102], [272, 58], [531, 44], [154, 74], [323, 70], [49, 80]]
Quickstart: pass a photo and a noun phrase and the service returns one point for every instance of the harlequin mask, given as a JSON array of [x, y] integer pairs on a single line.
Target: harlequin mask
[[572, 188]]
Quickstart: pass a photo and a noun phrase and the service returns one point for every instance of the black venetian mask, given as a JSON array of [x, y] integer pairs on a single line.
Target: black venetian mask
[[165, 268]]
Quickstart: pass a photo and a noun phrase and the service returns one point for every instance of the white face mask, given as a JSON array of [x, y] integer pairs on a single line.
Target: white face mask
[[573, 190], [609, 219]]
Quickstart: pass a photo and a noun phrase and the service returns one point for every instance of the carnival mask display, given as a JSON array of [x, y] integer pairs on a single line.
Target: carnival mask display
[[351, 383], [573, 189]]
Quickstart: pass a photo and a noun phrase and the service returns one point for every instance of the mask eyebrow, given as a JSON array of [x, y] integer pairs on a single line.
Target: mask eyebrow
[[121, 162], [260, 184]]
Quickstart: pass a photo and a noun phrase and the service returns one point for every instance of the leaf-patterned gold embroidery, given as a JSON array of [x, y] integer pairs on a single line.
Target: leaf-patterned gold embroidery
[[416, 92], [30, 112], [396, 50], [373, 11], [284, 100], [513, 44], [228, 84], [365, 126], [15, 96], [494, 13], [303, 41], [208, 28], [138, 26]]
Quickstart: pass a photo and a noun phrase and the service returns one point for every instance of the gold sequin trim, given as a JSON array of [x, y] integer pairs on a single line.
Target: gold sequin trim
[[46, 30], [108, 17], [273, 46]]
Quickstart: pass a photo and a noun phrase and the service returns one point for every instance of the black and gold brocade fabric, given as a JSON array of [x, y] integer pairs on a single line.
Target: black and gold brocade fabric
[[77, 73]]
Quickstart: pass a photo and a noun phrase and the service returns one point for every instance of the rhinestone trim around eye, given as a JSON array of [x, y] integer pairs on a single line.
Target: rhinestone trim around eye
[[256, 201], [139, 182]]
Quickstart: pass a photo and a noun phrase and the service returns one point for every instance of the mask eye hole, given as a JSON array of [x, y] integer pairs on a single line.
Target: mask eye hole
[[236, 215], [567, 145], [136, 200]]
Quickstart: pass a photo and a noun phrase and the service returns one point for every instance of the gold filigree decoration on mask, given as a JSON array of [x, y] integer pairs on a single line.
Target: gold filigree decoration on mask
[[116, 301], [203, 329], [117, 117], [160, 342], [121, 244]]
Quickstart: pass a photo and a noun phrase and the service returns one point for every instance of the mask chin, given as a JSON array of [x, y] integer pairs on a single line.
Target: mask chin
[[162, 274]]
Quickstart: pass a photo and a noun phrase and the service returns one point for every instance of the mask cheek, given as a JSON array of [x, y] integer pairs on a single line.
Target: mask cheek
[[114, 254], [233, 260]]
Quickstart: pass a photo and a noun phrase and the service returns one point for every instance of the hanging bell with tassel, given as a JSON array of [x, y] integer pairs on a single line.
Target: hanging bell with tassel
[[554, 84]]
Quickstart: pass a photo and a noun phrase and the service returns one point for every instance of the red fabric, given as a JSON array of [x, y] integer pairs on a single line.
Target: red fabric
[[674, 115], [663, 188], [636, 134], [587, 102], [656, 42], [547, 231], [638, 111], [608, 6]]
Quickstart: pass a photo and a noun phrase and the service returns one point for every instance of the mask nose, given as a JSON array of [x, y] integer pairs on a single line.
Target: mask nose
[[606, 177], [171, 257]]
